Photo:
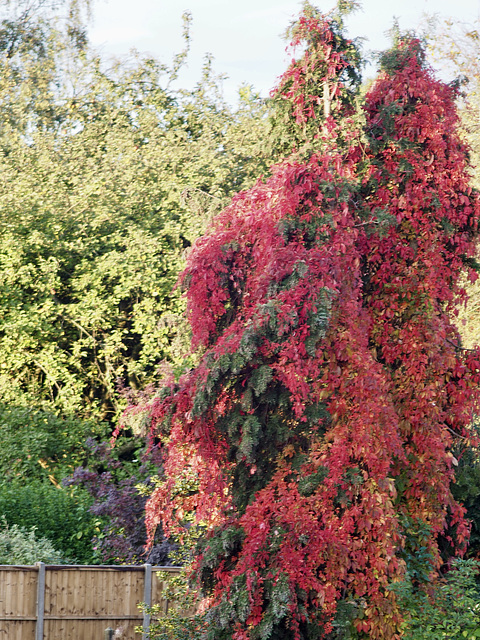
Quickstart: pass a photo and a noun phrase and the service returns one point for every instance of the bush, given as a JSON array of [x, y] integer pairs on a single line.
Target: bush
[[180, 621], [450, 609], [61, 515], [21, 546], [119, 481], [40, 445]]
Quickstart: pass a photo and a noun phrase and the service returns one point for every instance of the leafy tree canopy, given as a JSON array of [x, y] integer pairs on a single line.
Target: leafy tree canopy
[[107, 175], [456, 46]]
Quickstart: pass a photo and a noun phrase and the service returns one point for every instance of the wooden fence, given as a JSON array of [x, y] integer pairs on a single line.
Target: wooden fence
[[76, 602]]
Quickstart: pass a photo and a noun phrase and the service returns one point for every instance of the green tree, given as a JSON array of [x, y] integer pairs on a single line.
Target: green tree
[[39, 445], [107, 176]]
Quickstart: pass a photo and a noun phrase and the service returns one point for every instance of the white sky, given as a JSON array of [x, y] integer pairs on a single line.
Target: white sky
[[244, 36]]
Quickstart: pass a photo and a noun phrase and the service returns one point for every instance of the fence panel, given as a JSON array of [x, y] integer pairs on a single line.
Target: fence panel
[[75, 602], [18, 597]]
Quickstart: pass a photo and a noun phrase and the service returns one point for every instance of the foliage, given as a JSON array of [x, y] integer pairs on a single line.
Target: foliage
[[108, 175], [39, 449], [317, 427], [181, 615], [324, 80], [466, 490], [119, 488], [449, 609], [38, 445], [21, 546], [57, 514], [177, 617], [457, 47]]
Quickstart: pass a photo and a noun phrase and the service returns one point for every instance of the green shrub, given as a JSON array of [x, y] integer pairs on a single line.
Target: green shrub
[[59, 514], [40, 445], [449, 610], [178, 620], [21, 546]]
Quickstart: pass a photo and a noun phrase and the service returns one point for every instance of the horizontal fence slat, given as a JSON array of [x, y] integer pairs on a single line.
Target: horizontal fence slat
[[116, 617], [89, 567], [67, 617]]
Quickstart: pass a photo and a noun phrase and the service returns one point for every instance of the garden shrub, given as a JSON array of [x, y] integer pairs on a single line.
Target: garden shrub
[[21, 546], [449, 609], [61, 515]]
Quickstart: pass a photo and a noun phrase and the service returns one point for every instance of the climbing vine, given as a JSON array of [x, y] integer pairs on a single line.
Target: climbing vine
[[313, 440]]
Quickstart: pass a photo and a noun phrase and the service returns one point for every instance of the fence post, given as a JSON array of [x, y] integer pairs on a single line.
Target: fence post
[[109, 633], [40, 601], [147, 598]]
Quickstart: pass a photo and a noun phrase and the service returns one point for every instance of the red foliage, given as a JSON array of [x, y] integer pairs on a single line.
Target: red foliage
[[419, 175], [332, 285], [313, 84]]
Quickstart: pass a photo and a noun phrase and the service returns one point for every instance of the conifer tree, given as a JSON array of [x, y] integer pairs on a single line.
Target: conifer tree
[[313, 440]]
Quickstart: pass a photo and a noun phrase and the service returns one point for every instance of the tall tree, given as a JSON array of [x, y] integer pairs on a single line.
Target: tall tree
[[107, 175], [456, 47], [313, 440]]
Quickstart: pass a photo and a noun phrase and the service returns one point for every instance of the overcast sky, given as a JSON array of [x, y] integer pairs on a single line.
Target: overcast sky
[[244, 36]]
